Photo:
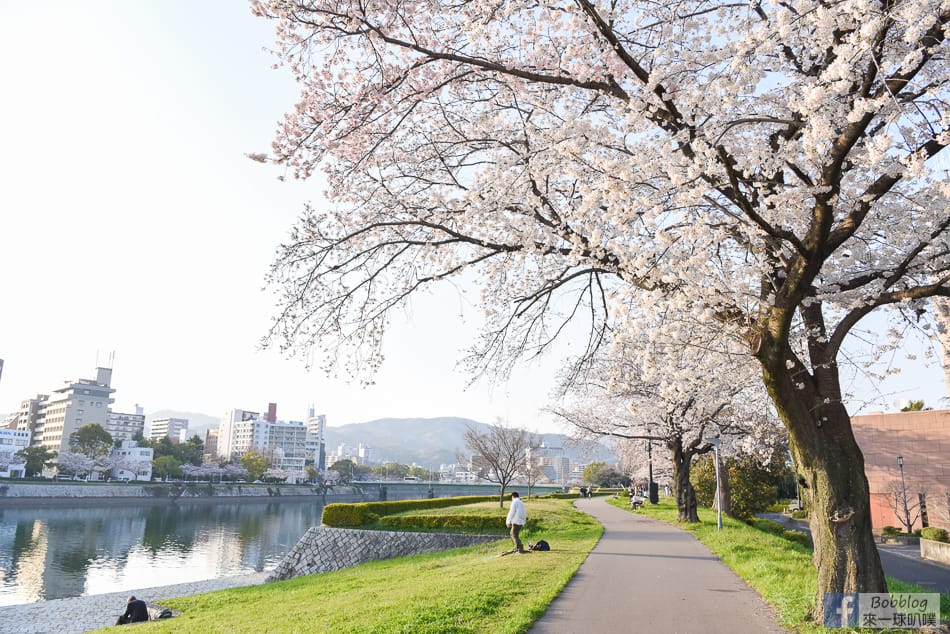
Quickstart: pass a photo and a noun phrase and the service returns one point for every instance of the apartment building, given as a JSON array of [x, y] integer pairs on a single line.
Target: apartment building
[[124, 427], [52, 418], [12, 441], [175, 429]]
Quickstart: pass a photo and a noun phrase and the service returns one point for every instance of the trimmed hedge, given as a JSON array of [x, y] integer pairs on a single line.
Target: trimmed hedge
[[367, 513], [935, 534], [450, 522]]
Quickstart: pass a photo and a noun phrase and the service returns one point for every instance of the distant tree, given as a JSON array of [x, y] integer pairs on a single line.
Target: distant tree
[[75, 464], [914, 406], [190, 451], [91, 440], [905, 502], [609, 476], [504, 451], [588, 475], [165, 467], [393, 470], [37, 458], [255, 465], [274, 475], [753, 486], [313, 475], [345, 468]]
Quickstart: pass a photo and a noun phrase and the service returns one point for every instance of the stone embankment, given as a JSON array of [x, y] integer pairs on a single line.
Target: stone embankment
[[26, 492], [324, 549]]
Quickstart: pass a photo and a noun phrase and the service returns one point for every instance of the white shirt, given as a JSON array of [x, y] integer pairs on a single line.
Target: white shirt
[[517, 513]]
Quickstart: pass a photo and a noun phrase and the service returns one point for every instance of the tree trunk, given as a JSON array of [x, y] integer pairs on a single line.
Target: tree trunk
[[726, 489], [831, 466], [682, 487]]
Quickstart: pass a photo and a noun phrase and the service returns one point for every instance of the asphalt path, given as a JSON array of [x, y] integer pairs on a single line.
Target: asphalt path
[[647, 576]]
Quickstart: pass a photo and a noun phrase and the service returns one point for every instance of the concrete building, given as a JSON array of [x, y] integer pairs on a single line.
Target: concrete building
[[316, 440], [211, 444], [12, 441], [228, 436], [556, 465], [125, 426], [922, 442], [167, 427], [134, 462], [283, 444], [53, 418]]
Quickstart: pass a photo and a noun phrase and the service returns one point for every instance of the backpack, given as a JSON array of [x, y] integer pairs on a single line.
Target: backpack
[[541, 545]]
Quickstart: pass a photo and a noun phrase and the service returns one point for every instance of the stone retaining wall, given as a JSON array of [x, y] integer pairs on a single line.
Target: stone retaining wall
[[77, 490], [936, 551], [324, 549]]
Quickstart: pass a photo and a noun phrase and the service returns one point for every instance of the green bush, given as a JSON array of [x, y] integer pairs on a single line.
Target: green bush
[[800, 515], [935, 534], [450, 522], [366, 513], [890, 531]]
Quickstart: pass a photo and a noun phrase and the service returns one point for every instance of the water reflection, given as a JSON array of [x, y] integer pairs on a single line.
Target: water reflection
[[52, 553]]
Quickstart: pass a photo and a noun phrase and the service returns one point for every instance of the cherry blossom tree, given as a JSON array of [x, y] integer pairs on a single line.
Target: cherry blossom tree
[[75, 463], [766, 166]]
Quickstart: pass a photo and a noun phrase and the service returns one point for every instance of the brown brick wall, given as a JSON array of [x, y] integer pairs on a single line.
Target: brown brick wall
[[923, 439]]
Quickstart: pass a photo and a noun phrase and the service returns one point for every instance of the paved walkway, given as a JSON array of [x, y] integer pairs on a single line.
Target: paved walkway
[[82, 614], [647, 576]]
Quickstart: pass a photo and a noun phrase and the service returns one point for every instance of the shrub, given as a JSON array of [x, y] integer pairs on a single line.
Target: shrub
[[366, 513], [890, 531], [800, 515], [935, 534]]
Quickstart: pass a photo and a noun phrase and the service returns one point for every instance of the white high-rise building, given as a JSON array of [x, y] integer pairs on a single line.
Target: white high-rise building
[[283, 444], [168, 427], [316, 440], [124, 427]]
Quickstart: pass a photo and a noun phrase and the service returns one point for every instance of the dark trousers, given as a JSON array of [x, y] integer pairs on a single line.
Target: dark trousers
[[515, 532]]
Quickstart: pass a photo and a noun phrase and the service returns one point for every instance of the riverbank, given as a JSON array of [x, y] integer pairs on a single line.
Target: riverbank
[[76, 615], [43, 494]]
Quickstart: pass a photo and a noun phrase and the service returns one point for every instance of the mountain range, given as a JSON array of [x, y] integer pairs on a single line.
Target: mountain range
[[427, 442]]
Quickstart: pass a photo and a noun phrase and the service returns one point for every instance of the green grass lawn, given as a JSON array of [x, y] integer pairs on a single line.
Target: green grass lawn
[[465, 590], [778, 569]]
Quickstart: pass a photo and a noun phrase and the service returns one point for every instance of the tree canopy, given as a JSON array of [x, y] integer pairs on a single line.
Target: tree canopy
[[765, 166], [91, 440]]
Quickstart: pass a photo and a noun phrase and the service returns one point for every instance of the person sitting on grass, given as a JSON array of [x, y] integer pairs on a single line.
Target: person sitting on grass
[[135, 612]]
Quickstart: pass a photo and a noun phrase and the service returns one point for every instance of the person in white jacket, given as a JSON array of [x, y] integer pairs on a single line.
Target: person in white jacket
[[517, 516]]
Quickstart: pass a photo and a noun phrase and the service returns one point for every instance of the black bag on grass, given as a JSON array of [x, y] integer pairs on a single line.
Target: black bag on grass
[[541, 545]]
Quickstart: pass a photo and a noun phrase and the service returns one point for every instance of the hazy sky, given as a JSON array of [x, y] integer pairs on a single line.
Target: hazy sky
[[131, 221]]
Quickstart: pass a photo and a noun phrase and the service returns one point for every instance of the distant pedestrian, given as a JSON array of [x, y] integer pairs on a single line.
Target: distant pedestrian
[[517, 516], [583, 492], [590, 492], [135, 612]]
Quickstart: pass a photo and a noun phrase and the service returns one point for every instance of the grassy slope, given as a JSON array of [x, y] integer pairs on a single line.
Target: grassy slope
[[466, 590], [780, 570]]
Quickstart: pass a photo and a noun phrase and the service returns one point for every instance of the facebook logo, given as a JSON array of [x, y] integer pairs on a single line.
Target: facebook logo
[[841, 610]]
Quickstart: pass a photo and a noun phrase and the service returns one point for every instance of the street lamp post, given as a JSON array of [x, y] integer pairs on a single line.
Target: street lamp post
[[715, 442], [900, 463], [653, 499]]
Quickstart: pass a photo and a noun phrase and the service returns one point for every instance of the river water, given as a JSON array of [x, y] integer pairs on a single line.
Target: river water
[[53, 553]]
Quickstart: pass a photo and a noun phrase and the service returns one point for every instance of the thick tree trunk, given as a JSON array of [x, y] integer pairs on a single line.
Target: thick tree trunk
[[831, 466], [682, 487]]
